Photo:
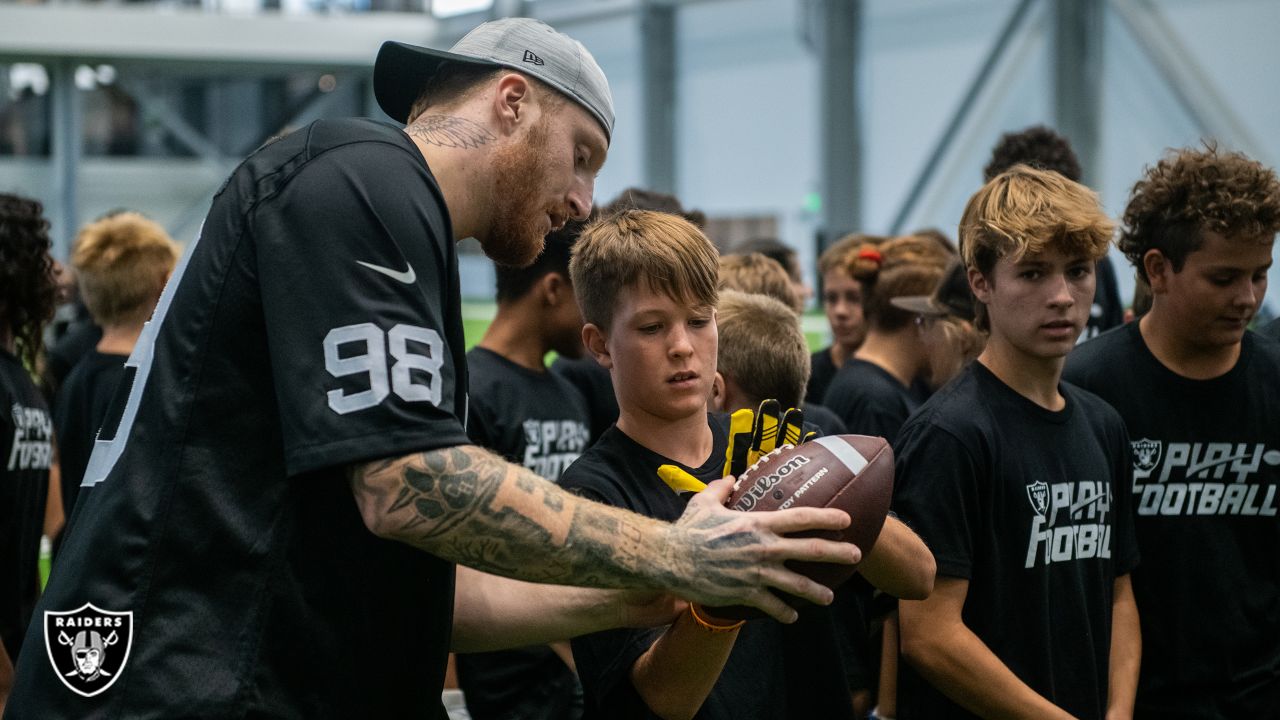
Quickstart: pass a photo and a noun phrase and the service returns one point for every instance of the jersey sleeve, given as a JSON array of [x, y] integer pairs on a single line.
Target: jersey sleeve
[[356, 277], [936, 493]]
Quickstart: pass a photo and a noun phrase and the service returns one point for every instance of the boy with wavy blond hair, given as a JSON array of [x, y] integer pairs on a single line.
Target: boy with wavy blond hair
[[1197, 392], [1018, 483], [122, 262]]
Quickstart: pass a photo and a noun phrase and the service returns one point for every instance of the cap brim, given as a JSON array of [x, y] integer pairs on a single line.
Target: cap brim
[[402, 70], [918, 304]]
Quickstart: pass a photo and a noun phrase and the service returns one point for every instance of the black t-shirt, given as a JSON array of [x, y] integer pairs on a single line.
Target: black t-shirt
[[78, 411], [79, 339], [870, 400], [539, 420], [1107, 310], [774, 671], [822, 369], [25, 453], [1027, 505], [1271, 329], [1206, 466], [593, 381], [314, 324], [826, 421]]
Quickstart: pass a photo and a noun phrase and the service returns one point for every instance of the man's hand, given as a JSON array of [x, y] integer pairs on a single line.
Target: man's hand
[[734, 558]]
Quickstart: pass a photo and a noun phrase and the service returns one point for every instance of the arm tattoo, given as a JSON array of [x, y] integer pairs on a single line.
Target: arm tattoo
[[467, 505], [449, 131]]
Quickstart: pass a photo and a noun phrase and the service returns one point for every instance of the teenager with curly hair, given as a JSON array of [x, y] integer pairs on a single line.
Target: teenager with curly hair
[[26, 433], [1200, 396]]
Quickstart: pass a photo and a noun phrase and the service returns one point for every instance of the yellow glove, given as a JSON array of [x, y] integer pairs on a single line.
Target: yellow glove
[[752, 435]]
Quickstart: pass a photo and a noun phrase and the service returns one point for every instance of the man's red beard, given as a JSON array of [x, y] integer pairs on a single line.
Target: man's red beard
[[516, 233]]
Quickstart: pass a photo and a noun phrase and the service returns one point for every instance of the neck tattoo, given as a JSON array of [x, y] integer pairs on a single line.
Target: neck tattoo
[[449, 131]]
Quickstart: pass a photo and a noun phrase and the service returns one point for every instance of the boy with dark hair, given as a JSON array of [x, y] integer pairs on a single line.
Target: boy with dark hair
[[1040, 147], [647, 286], [1017, 482], [537, 419], [1199, 394], [26, 433]]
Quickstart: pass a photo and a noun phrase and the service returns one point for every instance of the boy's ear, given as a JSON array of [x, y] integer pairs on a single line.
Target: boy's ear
[[597, 344], [555, 289], [716, 402], [1158, 268], [980, 286]]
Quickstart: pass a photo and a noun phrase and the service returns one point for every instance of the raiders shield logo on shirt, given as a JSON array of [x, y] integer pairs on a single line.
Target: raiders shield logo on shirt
[[1038, 494], [1146, 454], [88, 646]]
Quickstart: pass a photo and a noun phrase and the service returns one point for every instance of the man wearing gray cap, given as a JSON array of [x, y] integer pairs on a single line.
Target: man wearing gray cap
[[271, 517]]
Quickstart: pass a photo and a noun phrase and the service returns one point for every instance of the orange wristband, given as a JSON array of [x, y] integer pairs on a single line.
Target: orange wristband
[[709, 626]]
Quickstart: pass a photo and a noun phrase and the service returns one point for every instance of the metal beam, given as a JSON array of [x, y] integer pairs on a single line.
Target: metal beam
[[1078, 27], [67, 147], [158, 110], [838, 35], [1190, 83], [182, 38], [1012, 28], [659, 64]]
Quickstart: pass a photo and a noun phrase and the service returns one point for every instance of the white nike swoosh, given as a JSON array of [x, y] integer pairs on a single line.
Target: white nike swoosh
[[406, 276]]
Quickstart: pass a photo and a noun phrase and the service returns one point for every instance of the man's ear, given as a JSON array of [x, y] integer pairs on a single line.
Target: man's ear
[[1158, 270], [512, 101], [597, 344]]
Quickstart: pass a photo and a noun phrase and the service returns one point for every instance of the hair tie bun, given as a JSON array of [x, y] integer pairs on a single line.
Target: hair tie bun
[[871, 254]]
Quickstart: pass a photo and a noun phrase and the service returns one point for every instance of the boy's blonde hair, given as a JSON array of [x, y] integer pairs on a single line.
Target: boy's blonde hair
[[666, 253], [756, 274], [122, 262], [762, 348], [1021, 212], [901, 267]]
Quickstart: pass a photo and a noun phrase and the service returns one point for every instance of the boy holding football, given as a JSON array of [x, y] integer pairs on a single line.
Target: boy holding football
[[646, 283]]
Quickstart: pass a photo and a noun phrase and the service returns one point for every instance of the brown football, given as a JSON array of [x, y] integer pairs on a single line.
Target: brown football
[[851, 472]]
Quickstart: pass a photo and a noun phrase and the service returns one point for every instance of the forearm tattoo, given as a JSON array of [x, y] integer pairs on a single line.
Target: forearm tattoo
[[469, 506], [449, 131]]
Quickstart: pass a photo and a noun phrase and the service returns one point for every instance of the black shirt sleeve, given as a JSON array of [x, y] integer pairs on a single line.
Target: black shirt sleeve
[[360, 356], [937, 495]]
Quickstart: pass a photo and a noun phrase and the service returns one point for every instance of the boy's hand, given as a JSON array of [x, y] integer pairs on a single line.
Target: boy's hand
[[734, 558], [752, 435]]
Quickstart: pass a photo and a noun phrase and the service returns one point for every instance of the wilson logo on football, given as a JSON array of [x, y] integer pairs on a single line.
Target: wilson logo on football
[[88, 647], [762, 485]]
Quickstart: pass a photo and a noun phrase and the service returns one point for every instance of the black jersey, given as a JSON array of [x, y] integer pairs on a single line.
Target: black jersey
[[539, 420], [314, 324], [1206, 466], [774, 671], [78, 411], [1029, 506], [594, 382], [870, 400], [26, 433], [822, 369]]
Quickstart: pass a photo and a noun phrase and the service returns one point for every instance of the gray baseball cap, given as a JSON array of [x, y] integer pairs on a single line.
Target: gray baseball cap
[[529, 46]]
